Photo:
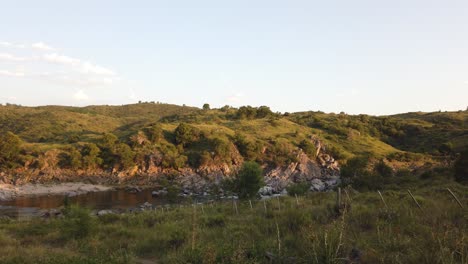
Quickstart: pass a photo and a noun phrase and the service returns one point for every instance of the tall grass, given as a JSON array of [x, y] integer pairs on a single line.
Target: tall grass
[[306, 230]]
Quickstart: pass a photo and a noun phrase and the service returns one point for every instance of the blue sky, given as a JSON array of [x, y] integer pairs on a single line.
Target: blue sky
[[375, 57]]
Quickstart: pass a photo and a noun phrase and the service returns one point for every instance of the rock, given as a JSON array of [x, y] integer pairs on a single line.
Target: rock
[[159, 193], [317, 185], [284, 192], [332, 181], [146, 205], [104, 212], [133, 189], [265, 191]]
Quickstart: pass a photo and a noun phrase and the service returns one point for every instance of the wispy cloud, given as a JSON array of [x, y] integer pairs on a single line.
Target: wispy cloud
[[42, 46], [88, 67], [11, 57], [70, 71], [11, 73], [60, 59]]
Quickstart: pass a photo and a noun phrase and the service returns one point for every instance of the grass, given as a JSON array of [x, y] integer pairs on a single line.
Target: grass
[[307, 230]]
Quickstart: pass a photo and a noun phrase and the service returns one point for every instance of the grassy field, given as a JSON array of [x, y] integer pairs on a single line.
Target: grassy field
[[311, 229]]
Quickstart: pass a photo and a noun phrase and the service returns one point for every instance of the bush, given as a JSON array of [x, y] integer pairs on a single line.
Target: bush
[[297, 189], [186, 134], [461, 167], [10, 147], [77, 223], [250, 179]]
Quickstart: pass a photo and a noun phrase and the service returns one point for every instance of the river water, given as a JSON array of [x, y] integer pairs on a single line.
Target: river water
[[24, 207]]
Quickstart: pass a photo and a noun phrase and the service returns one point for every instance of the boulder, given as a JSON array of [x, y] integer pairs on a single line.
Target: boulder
[[317, 185], [104, 212], [265, 191]]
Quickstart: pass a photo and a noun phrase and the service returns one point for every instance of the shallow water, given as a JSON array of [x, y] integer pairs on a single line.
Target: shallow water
[[22, 207]]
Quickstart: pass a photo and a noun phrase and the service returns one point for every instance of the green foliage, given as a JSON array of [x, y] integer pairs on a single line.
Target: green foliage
[[206, 107], [77, 223], [186, 134], [308, 147], [71, 158], [461, 167], [355, 167], [297, 189], [248, 148], [171, 157], [249, 112], [154, 133], [125, 155], [90, 153], [311, 232], [250, 179], [10, 148]]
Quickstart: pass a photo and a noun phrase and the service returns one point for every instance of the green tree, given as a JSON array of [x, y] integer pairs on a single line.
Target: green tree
[[355, 167], [125, 155], [186, 134], [71, 158], [461, 167], [206, 107], [90, 154], [154, 133], [10, 148], [250, 179]]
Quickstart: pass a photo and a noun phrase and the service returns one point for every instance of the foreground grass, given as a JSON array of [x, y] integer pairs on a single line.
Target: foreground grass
[[307, 230]]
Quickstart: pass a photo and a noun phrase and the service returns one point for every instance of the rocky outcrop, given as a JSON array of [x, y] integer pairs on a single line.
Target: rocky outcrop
[[305, 170]]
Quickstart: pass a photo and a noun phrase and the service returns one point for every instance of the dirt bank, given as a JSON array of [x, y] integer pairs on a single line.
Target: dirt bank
[[8, 191]]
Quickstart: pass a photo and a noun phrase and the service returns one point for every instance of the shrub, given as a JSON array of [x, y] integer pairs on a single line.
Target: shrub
[[77, 223], [297, 189], [250, 179], [10, 147], [186, 134], [461, 167]]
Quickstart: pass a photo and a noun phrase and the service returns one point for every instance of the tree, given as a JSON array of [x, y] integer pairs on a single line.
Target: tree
[[355, 167], [154, 133], [250, 179], [186, 134], [461, 167], [10, 148], [125, 155], [90, 154], [206, 107]]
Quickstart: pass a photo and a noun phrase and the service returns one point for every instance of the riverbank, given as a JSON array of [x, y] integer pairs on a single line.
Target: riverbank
[[9, 191], [285, 230]]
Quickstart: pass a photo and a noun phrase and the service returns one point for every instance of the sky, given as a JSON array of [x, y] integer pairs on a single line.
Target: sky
[[361, 56]]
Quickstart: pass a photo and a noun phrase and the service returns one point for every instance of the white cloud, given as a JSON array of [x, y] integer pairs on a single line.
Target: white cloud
[[61, 59], [80, 96], [11, 74], [42, 46], [5, 44], [69, 70], [466, 82], [10, 57], [96, 69]]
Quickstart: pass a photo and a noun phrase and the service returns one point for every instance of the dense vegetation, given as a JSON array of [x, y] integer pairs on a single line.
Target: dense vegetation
[[309, 229], [125, 137]]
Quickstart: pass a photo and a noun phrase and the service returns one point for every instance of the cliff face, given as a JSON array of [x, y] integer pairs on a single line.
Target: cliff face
[[304, 170]]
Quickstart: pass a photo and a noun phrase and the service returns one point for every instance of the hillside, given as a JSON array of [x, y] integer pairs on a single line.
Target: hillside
[[153, 138]]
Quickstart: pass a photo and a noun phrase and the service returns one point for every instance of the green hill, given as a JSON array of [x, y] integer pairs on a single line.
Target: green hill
[[220, 136]]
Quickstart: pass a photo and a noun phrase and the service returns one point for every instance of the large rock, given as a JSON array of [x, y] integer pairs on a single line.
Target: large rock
[[265, 191], [317, 185]]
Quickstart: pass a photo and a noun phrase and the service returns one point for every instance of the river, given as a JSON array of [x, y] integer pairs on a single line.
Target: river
[[120, 200]]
